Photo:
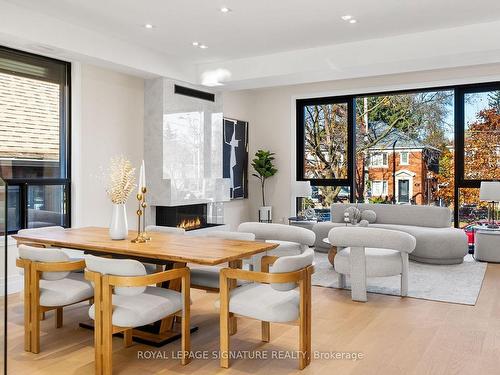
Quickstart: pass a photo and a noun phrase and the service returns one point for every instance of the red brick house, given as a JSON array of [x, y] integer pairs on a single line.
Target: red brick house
[[415, 165]]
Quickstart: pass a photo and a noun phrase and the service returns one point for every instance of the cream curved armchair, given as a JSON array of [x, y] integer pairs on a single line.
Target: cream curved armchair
[[291, 240], [370, 252], [271, 297], [49, 284], [124, 300]]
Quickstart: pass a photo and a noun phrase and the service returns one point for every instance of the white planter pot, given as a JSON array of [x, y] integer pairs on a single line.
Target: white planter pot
[[118, 230], [266, 214]]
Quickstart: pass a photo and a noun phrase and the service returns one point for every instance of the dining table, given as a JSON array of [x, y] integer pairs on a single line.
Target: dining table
[[166, 250]]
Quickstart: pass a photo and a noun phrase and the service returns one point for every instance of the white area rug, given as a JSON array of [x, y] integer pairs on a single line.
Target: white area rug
[[460, 283]]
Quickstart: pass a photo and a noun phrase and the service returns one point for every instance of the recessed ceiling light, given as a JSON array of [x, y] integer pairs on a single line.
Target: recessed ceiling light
[[347, 17], [148, 26], [196, 44], [225, 9], [353, 21], [203, 46]]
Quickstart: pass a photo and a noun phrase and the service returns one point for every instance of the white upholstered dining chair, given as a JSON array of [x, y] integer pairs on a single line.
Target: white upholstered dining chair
[[150, 267], [124, 300], [291, 240], [370, 252], [271, 297], [49, 284], [207, 277]]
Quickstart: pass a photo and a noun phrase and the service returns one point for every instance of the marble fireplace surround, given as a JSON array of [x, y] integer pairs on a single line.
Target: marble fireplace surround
[[182, 146]]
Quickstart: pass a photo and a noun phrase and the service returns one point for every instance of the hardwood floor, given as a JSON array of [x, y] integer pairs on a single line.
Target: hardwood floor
[[396, 336]]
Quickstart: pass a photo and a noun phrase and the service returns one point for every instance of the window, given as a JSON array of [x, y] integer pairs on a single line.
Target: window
[[378, 160], [34, 139], [404, 158], [379, 188]]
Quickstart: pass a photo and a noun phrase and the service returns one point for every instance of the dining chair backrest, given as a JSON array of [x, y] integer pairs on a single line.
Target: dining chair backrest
[[290, 264], [39, 230], [163, 229], [46, 255], [118, 267], [239, 236], [279, 232]]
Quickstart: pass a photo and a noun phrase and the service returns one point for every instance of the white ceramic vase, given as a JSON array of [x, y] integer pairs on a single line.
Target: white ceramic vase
[[118, 230], [266, 214]]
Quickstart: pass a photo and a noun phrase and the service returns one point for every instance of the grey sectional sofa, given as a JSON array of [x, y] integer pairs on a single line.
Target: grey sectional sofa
[[437, 241]]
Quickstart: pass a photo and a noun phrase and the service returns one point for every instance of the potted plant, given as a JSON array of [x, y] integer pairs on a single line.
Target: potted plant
[[120, 186], [263, 165]]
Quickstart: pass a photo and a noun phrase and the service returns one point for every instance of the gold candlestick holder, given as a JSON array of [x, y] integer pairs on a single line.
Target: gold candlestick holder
[[144, 205], [139, 212]]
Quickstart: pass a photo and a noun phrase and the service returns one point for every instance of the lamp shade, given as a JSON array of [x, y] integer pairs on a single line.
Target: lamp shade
[[490, 191], [302, 189]]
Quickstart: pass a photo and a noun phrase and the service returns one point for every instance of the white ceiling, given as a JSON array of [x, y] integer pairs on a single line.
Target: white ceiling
[[259, 27]]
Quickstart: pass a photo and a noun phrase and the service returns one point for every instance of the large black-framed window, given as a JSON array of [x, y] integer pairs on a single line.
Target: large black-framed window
[[474, 140], [35, 139]]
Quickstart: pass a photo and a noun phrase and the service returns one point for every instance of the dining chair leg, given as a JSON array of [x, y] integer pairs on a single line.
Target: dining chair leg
[[266, 331], [98, 325], [107, 330], [59, 317], [27, 308], [305, 322], [127, 337], [42, 315], [185, 323], [224, 322], [35, 312]]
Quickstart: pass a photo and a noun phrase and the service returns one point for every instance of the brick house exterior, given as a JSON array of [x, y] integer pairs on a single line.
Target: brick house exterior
[[416, 167]]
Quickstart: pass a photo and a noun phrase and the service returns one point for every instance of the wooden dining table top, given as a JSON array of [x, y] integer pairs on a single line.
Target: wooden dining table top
[[163, 246]]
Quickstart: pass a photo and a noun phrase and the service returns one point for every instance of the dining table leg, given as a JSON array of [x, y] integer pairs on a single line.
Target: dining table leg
[[233, 323]]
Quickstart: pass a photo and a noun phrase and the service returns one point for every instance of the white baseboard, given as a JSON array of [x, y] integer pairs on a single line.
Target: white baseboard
[[15, 284]]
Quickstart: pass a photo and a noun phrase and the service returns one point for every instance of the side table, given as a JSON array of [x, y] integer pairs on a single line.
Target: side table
[[487, 244]]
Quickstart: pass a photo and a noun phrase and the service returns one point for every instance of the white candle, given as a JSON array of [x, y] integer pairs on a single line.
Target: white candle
[[139, 186], [143, 177]]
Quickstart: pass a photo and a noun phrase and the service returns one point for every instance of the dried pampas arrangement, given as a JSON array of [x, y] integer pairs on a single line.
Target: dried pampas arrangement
[[121, 180]]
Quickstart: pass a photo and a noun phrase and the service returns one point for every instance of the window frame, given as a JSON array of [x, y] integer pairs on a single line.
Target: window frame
[[459, 131], [64, 136], [383, 155], [300, 146], [401, 153]]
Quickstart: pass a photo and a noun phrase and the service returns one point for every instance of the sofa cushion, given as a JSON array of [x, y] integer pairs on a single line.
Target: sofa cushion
[[379, 262], [433, 243], [424, 216], [369, 215]]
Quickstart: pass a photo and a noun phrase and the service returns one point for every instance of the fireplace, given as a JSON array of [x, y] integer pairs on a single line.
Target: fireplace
[[189, 217]]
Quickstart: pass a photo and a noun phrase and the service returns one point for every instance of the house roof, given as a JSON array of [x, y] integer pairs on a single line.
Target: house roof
[[404, 140], [29, 118]]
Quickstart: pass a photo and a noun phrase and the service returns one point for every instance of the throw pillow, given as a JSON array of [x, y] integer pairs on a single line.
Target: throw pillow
[[353, 214], [363, 223], [369, 215]]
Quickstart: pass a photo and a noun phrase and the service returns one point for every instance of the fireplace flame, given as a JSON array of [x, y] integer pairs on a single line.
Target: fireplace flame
[[188, 224]]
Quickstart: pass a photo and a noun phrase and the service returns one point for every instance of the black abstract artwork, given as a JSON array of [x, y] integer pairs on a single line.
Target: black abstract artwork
[[235, 156]]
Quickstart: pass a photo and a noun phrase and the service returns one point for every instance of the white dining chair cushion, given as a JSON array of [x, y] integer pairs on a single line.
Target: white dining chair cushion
[[261, 302], [39, 230], [208, 276], [379, 262], [290, 264], [118, 267], [46, 255], [160, 228], [279, 232], [146, 308], [73, 288]]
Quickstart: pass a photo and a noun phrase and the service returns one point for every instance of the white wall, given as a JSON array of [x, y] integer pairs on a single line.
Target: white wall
[[110, 123], [272, 115]]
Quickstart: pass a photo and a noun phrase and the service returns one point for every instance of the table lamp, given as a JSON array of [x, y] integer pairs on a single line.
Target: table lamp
[[490, 192]]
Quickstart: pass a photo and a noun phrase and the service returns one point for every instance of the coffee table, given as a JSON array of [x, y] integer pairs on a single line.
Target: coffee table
[[332, 252]]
